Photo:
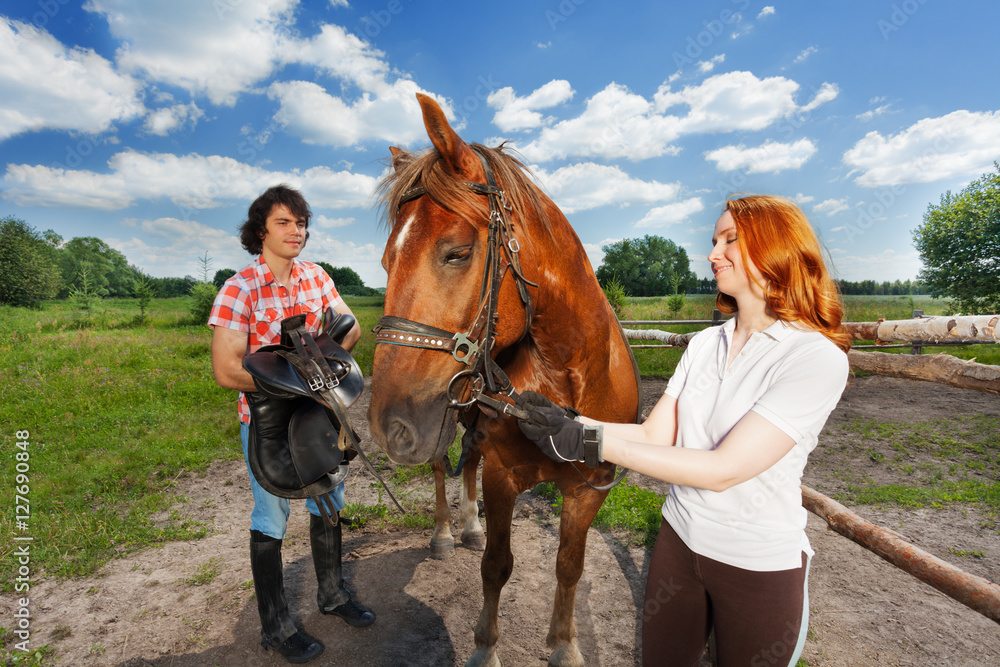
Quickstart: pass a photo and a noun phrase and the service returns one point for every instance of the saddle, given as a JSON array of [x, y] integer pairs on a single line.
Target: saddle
[[300, 436]]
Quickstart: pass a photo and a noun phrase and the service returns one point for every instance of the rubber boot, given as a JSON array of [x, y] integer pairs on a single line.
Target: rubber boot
[[333, 599], [277, 632]]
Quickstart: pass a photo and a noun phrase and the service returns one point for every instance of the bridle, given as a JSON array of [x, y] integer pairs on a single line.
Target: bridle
[[474, 347]]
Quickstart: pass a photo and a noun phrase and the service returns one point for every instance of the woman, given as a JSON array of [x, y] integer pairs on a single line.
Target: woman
[[731, 434]]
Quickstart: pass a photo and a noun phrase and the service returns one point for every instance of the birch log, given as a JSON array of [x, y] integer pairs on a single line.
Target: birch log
[[672, 339], [929, 329], [942, 368], [974, 592]]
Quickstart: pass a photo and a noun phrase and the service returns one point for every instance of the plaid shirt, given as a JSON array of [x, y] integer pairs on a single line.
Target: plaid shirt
[[254, 302]]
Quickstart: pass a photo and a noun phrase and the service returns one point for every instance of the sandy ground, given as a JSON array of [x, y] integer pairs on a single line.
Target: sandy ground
[[140, 611]]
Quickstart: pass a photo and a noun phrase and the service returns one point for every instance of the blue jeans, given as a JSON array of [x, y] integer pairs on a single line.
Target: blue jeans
[[270, 513]]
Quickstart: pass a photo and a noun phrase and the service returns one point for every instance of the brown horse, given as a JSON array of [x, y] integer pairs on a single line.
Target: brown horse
[[549, 328]]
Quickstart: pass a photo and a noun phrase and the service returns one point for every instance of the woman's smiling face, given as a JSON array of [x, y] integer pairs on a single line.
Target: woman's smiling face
[[727, 263]]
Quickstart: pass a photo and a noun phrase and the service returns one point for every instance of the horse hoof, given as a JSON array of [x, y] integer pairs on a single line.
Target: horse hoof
[[474, 541], [484, 657], [567, 655], [442, 549]]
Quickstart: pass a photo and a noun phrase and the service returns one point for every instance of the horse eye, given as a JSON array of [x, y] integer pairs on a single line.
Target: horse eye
[[458, 255]]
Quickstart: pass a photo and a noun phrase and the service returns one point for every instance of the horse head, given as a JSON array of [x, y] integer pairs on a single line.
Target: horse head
[[438, 208]]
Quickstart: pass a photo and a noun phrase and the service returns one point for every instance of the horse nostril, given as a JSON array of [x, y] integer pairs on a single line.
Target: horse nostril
[[400, 434]]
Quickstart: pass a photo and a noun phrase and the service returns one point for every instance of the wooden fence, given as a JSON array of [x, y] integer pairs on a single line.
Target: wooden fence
[[975, 592]]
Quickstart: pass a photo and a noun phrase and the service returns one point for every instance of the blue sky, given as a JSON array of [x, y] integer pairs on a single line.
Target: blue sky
[[153, 124]]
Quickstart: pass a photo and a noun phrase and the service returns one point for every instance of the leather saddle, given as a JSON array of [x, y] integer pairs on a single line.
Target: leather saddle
[[300, 436]]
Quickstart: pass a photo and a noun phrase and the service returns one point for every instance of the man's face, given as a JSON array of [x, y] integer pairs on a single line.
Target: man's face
[[286, 233]]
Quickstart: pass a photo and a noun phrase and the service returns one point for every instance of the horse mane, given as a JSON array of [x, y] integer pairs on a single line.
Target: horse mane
[[428, 168]]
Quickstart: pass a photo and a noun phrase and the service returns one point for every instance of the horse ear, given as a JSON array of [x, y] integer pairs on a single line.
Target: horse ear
[[456, 153], [400, 158]]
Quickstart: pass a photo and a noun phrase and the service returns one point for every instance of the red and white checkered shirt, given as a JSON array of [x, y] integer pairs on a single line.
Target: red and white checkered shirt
[[254, 302]]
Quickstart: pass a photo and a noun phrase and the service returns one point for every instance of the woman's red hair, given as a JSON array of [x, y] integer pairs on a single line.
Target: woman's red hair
[[776, 236]]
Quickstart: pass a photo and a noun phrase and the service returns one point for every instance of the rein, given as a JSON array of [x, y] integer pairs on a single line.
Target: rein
[[488, 384]]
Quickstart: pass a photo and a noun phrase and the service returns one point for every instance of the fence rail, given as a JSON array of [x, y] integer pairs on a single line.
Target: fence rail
[[920, 332]]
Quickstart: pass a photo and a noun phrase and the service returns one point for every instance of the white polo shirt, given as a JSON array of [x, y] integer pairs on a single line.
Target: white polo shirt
[[791, 376]]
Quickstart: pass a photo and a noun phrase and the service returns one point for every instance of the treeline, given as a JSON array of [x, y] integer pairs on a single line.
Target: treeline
[[38, 266], [867, 287]]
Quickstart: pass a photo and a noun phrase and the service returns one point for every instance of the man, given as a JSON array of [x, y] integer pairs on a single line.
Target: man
[[247, 315]]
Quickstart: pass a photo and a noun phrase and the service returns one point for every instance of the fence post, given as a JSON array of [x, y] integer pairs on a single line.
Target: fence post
[[916, 348], [716, 316]]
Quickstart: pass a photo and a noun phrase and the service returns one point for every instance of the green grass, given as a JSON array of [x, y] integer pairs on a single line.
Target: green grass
[[119, 409], [927, 464], [628, 508]]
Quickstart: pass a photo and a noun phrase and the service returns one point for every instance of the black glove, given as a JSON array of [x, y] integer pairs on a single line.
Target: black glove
[[536, 400], [560, 437]]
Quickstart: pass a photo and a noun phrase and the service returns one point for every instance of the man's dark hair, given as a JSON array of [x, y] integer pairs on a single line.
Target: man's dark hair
[[254, 228]]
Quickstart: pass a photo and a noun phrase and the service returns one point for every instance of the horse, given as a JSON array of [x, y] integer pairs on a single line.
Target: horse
[[475, 247]]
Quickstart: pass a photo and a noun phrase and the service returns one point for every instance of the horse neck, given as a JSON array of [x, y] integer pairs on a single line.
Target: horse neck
[[571, 314]]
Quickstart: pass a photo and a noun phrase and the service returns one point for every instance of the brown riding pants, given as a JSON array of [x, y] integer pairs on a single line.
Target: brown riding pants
[[758, 619]]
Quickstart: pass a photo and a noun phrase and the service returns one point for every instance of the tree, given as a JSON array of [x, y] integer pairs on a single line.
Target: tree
[[221, 276], [347, 280], [107, 269], [959, 244], [29, 267], [650, 266]]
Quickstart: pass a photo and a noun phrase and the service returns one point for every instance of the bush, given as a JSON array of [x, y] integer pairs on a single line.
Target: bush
[[203, 297], [615, 292]]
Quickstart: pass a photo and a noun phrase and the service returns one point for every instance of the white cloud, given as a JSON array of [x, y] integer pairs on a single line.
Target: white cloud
[[831, 206], [192, 182], [731, 101], [45, 85], [171, 247], [311, 113], [872, 113], [671, 214], [826, 93], [339, 3], [617, 123], [959, 144], [324, 222], [163, 121], [771, 156], [583, 186], [519, 113], [364, 258], [706, 66], [216, 49], [800, 198], [805, 54], [767, 11]]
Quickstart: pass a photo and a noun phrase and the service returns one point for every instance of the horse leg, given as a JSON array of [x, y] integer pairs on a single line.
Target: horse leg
[[499, 493], [442, 542], [578, 512], [472, 531]]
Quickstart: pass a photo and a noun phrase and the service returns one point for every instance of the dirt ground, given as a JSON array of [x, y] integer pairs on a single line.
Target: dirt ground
[[139, 610]]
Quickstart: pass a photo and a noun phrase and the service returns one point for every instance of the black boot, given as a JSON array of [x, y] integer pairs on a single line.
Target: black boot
[[277, 632], [332, 597]]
